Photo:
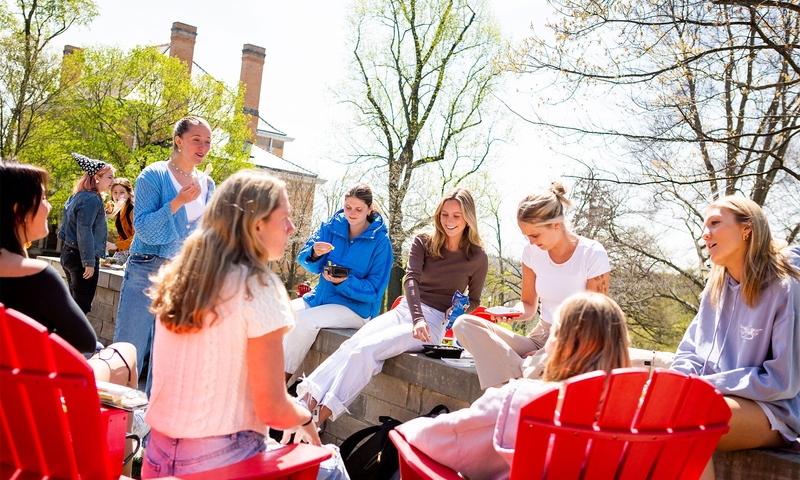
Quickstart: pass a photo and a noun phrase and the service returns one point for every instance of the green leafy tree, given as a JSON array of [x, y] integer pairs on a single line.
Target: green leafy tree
[[120, 106], [29, 68]]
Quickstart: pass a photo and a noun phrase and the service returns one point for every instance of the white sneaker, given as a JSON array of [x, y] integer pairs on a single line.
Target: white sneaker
[[140, 428]]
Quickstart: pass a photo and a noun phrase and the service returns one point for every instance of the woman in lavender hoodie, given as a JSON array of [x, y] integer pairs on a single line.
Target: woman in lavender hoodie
[[745, 339]]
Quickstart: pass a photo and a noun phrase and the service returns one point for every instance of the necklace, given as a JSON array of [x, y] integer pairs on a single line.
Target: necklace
[[181, 171]]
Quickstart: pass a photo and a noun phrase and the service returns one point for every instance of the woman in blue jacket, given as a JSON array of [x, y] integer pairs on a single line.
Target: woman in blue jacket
[[170, 199], [357, 238], [84, 230], [745, 339]]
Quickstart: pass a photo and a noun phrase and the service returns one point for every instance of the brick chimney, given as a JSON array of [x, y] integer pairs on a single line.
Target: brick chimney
[[181, 43], [252, 70], [71, 66]]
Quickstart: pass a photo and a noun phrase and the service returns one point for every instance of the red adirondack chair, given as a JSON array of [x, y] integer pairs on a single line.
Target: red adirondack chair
[[52, 425], [665, 429]]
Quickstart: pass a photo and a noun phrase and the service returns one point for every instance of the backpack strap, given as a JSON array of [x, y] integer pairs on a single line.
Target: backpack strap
[[437, 410], [350, 443]]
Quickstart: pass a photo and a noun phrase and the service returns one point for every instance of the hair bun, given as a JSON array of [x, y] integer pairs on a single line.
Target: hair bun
[[558, 188]]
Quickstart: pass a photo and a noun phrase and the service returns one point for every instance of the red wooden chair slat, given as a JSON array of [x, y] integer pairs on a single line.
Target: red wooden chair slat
[[617, 412], [541, 408], [665, 428], [579, 409]]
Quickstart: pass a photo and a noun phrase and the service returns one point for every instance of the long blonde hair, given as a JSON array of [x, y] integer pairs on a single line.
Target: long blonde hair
[[590, 334], [765, 259], [471, 237], [188, 288]]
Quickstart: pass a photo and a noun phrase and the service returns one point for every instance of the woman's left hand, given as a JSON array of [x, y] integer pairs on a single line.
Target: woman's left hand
[[333, 280], [420, 331], [307, 434], [111, 246], [88, 272]]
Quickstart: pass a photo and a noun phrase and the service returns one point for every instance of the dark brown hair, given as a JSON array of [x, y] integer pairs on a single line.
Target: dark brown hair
[[20, 195], [363, 193]]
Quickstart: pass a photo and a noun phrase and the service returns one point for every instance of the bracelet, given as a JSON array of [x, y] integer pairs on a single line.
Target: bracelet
[[309, 421]]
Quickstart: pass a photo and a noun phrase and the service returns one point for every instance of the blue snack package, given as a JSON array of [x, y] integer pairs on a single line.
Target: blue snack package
[[460, 303]]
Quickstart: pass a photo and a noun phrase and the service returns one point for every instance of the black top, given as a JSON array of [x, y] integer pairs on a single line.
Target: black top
[[43, 296]]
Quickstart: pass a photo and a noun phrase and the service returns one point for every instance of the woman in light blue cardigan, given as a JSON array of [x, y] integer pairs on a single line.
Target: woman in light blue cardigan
[[170, 198]]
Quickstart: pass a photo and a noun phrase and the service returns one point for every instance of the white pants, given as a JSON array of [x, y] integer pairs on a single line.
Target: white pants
[[340, 378], [298, 341]]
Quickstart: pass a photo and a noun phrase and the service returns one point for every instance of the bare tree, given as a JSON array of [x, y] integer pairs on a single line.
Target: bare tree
[[712, 101], [699, 99], [423, 73]]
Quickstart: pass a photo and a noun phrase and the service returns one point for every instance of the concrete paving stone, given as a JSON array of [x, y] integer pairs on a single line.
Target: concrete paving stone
[[96, 323], [430, 399], [102, 311], [107, 333], [104, 295], [359, 406], [336, 432], [377, 408], [389, 389], [115, 281], [758, 464]]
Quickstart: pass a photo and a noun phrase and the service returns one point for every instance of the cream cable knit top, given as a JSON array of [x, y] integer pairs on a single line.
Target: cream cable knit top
[[200, 384]]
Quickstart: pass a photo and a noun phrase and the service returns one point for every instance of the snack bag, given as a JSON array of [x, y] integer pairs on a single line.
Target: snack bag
[[460, 303]]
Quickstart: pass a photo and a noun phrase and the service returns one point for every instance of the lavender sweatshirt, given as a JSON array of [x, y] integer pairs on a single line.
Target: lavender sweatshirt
[[749, 352]]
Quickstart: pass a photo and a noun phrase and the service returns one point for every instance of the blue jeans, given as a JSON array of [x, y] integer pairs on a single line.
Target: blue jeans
[[135, 323], [165, 456]]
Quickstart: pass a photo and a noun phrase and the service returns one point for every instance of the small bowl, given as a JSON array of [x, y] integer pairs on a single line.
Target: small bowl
[[336, 271], [442, 351]]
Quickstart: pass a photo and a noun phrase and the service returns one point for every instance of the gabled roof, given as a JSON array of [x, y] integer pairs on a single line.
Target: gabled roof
[[264, 159]]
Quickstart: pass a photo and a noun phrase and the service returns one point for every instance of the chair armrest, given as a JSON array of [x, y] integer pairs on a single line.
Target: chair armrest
[[416, 465], [115, 424], [274, 464]]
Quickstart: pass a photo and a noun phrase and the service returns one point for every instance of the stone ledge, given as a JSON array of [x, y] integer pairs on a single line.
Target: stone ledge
[[436, 382]]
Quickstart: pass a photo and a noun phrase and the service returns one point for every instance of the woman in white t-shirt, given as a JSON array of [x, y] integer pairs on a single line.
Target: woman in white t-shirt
[[217, 355], [556, 264]]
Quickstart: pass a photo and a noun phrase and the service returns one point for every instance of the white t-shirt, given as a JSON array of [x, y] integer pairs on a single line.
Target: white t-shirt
[[555, 282], [194, 209], [200, 383]]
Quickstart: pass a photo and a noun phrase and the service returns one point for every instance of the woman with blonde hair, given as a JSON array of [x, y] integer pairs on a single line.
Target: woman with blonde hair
[[439, 263], [221, 318], [170, 198], [588, 333], [555, 264], [745, 338], [84, 230]]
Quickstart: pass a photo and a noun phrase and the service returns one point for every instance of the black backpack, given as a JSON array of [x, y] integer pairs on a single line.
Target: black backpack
[[369, 454]]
